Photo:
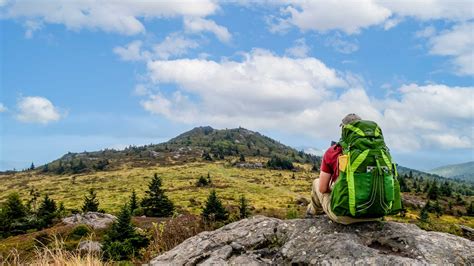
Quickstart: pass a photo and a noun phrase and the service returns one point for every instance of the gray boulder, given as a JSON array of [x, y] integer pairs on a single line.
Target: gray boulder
[[95, 220], [89, 246], [261, 240]]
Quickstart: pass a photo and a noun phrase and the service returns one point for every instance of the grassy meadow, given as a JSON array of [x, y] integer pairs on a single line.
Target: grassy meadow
[[265, 189]]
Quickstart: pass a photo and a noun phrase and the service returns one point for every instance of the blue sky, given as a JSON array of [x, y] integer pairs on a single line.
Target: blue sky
[[88, 75]]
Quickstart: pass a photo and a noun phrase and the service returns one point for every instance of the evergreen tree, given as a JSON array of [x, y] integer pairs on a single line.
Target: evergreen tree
[[156, 203], [433, 191], [202, 182], [133, 202], [214, 211], [470, 210], [424, 215], [121, 242], [437, 209], [46, 212], [242, 158], [403, 185], [45, 168], [13, 216], [32, 166], [446, 189], [243, 208], [14, 208], [91, 203]]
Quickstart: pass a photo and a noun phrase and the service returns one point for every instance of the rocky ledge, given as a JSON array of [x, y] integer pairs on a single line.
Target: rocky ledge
[[261, 240]]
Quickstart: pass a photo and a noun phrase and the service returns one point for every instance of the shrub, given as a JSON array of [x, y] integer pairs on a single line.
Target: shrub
[[280, 163], [91, 203], [79, 231], [202, 182]]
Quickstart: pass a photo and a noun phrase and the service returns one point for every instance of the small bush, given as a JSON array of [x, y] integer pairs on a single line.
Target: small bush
[[79, 231]]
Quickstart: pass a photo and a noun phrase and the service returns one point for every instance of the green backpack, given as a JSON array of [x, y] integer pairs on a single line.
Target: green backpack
[[367, 185]]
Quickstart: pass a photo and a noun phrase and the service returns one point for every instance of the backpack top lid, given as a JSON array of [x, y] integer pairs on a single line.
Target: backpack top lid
[[362, 128], [362, 131]]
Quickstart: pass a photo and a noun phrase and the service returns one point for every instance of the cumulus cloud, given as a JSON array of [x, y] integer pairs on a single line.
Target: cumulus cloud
[[197, 25], [35, 109], [111, 16], [265, 91], [131, 52], [172, 46], [347, 16], [353, 16], [299, 50], [2, 108], [457, 43]]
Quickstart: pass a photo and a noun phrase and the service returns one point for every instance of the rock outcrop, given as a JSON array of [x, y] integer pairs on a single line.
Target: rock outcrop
[[89, 246], [95, 220], [261, 240]]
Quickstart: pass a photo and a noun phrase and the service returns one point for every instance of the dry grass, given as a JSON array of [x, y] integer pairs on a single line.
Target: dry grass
[[54, 254]]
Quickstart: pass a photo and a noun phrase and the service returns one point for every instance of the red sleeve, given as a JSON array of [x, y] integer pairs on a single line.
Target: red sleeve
[[326, 162]]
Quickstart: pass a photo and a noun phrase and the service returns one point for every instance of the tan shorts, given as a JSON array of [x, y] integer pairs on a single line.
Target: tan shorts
[[321, 202]]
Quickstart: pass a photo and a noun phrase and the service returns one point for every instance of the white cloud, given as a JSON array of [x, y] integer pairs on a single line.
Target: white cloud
[[347, 16], [174, 45], [2, 108], [131, 52], [265, 91], [459, 10], [299, 50], [197, 25], [457, 43], [353, 16], [339, 44], [34, 109], [111, 16], [426, 32]]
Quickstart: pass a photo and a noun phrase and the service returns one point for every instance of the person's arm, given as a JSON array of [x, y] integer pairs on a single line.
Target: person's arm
[[324, 179]]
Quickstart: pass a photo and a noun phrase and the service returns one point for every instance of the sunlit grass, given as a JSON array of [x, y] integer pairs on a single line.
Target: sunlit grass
[[263, 188]]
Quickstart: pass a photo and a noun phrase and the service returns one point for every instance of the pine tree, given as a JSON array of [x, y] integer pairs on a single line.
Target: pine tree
[[437, 209], [202, 182], [13, 208], [214, 211], [156, 203], [424, 215], [133, 202], [121, 242], [243, 208], [91, 203], [433, 191], [403, 185], [46, 212], [242, 158], [446, 189], [32, 166], [470, 210]]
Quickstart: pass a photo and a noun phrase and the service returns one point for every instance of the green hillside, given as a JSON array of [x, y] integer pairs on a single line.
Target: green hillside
[[198, 144], [462, 171]]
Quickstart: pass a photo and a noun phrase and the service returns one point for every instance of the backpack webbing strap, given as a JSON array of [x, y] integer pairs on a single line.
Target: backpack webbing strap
[[351, 168], [386, 160], [355, 129]]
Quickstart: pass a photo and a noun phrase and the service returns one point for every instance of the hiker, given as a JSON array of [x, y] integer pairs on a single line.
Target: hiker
[[336, 160]]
